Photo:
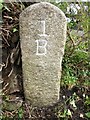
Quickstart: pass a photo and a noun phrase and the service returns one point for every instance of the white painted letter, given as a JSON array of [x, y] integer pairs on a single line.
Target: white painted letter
[[41, 47], [43, 29]]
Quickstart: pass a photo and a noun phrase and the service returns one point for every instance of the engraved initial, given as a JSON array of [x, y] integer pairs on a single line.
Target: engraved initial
[[42, 43]]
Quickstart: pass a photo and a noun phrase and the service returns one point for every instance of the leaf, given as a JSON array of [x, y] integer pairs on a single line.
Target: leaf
[[1, 1], [69, 113], [20, 113], [87, 102], [63, 115], [73, 103], [87, 114], [14, 30], [1, 6]]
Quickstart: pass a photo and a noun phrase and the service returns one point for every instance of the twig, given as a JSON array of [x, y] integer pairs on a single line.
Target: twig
[[5, 40], [8, 17], [71, 38], [7, 61], [10, 73], [69, 35]]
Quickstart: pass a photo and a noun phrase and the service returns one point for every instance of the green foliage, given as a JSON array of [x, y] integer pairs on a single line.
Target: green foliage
[[15, 30], [1, 1], [76, 58], [87, 114], [1, 6], [65, 114], [68, 76], [20, 113], [87, 102], [72, 24], [14, 116], [85, 17], [75, 68], [63, 6]]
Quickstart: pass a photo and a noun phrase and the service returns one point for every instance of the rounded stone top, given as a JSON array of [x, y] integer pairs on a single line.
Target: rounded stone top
[[40, 6]]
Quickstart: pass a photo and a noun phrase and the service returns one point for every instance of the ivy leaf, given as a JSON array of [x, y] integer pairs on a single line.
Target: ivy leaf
[[14, 30], [87, 114]]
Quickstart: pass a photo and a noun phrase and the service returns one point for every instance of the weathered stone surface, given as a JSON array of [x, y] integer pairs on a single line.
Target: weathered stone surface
[[43, 36]]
